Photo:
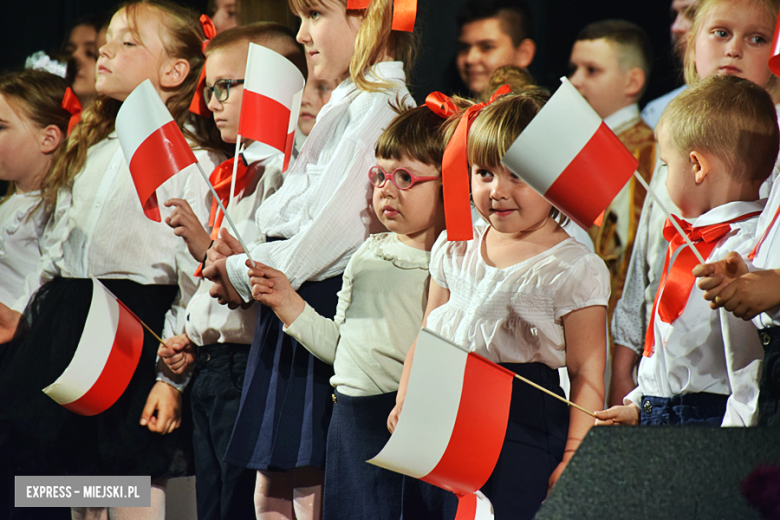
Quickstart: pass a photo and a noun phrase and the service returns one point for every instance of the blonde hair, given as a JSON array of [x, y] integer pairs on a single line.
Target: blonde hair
[[37, 96], [500, 123], [375, 40], [182, 38], [511, 75], [704, 8], [729, 117]]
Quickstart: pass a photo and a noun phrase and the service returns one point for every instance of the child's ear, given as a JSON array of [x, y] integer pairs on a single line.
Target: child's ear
[[635, 82], [174, 72], [51, 137], [701, 165]]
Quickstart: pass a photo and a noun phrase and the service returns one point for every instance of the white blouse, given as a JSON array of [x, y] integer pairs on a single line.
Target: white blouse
[[707, 350], [99, 228], [513, 315], [380, 310], [22, 219], [322, 208]]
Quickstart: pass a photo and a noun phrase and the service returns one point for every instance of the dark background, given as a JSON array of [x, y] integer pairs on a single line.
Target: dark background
[[26, 27]]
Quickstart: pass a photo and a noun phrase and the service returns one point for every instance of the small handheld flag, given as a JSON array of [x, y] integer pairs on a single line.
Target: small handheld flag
[[273, 90], [454, 419], [105, 359], [571, 157], [153, 144]]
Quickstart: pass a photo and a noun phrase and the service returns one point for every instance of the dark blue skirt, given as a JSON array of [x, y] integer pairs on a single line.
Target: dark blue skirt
[[286, 400], [533, 447], [355, 489]]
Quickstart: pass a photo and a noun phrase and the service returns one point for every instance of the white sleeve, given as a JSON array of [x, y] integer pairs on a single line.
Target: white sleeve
[[586, 285], [319, 334], [744, 355], [322, 248], [438, 259], [194, 189], [55, 234]]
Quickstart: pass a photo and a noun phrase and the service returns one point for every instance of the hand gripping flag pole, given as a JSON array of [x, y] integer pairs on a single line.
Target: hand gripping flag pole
[[156, 150]]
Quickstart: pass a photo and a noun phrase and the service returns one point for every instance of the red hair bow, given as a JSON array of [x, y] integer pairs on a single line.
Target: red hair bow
[[441, 104], [199, 105], [73, 106], [455, 174], [404, 12]]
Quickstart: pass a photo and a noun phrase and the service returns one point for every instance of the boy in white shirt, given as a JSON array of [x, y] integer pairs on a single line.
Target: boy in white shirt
[[216, 339], [719, 140]]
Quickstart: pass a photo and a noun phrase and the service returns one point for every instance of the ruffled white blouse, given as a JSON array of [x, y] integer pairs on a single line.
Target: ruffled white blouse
[[513, 315]]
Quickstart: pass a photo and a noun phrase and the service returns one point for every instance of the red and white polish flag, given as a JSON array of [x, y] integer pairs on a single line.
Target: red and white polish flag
[[105, 359], [154, 147], [571, 157], [774, 58], [453, 423], [271, 104]]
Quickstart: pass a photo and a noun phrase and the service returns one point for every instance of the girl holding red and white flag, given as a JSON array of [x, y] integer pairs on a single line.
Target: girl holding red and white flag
[[99, 228], [524, 294], [312, 225]]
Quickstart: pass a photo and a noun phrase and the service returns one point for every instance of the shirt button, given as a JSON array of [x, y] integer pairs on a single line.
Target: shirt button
[[97, 204], [765, 338], [647, 406]]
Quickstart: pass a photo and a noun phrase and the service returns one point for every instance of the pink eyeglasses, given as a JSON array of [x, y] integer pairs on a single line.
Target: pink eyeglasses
[[402, 178]]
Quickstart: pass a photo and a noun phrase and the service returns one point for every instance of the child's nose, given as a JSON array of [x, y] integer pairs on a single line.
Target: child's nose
[[734, 48]]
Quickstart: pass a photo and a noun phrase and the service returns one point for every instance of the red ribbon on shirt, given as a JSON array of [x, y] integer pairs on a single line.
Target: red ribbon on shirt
[[676, 284], [72, 105], [404, 12], [220, 178], [754, 252], [455, 174], [199, 104]]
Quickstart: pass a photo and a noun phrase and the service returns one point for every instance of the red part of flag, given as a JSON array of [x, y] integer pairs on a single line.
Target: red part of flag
[[161, 156], [589, 183], [264, 119]]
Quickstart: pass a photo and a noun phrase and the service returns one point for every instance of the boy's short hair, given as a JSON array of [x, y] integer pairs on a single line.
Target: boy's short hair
[[513, 15], [260, 33], [730, 117], [631, 43]]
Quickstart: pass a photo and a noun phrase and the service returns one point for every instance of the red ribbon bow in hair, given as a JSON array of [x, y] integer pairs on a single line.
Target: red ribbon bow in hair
[[199, 104], [441, 105], [404, 12], [676, 284], [73, 106], [455, 174]]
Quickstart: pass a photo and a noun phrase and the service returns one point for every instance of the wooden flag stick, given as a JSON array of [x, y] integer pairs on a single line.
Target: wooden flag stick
[[669, 216], [158, 338], [553, 394]]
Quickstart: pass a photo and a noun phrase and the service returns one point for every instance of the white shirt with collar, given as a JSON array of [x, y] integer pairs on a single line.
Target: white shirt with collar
[[207, 321], [323, 207], [98, 228], [707, 350]]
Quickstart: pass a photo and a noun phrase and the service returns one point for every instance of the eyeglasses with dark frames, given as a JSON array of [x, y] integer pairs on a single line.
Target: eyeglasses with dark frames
[[221, 89]]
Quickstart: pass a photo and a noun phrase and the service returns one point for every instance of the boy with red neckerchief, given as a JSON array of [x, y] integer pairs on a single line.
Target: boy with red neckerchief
[[216, 340], [719, 141]]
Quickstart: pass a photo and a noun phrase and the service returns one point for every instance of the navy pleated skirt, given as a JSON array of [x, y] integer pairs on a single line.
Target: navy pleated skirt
[[42, 437], [355, 489], [286, 401]]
